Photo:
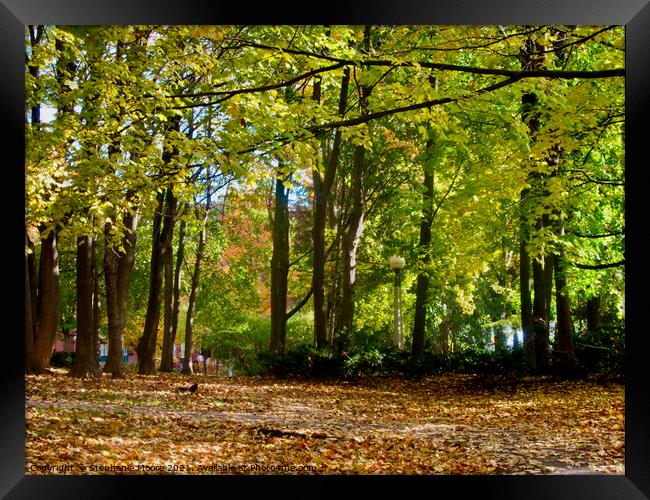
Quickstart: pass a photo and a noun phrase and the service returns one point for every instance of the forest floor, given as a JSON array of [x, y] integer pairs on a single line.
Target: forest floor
[[447, 424]]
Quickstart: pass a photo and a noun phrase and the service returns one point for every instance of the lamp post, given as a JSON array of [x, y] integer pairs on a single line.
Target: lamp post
[[396, 264]]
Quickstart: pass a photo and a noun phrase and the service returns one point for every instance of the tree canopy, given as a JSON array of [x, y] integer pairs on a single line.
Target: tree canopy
[[480, 154]]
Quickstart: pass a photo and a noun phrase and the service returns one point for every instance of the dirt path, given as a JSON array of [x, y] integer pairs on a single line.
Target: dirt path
[[309, 426], [432, 426]]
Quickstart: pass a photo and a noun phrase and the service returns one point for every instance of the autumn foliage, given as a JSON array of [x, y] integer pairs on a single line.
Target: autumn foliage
[[443, 424]]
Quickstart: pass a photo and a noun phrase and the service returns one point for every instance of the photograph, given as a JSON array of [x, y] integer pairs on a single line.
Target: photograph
[[348, 249]]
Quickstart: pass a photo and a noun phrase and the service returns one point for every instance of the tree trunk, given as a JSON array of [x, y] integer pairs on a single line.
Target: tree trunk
[[540, 318], [351, 241], [335, 221], [279, 267], [318, 272], [593, 314], [180, 255], [424, 256], [85, 363], [525, 297], [117, 275], [167, 351], [529, 102], [96, 307], [322, 187], [187, 360], [31, 297], [565, 356], [356, 225], [161, 243], [48, 303]]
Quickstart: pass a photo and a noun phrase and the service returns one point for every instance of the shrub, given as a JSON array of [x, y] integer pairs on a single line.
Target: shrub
[[366, 362], [306, 361], [602, 350], [61, 359], [303, 360]]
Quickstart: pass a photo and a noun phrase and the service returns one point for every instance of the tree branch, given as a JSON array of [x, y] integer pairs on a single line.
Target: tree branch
[[599, 266], [299, 305], [594, 236]]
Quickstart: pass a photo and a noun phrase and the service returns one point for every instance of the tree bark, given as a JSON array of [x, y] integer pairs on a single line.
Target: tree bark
[[187, 360], [565, 356], [424, 256], [356, 221], [118, 266], [180, 256], [31, 290], [85, 364], [593, 313], [335, 221], [161, 243], [525, 297], [351, 240], [96, 307], [322, 186], [279, 267], [167, 351], [540, 315], [48, 303], [530, 61]]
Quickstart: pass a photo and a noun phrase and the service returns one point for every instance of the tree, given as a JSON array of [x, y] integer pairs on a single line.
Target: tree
[[85, 361], [446, 144], [162, 240], [187, 360], [279, 263]]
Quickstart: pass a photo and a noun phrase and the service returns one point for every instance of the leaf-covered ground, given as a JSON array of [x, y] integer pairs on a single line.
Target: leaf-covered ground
[[449, 424]]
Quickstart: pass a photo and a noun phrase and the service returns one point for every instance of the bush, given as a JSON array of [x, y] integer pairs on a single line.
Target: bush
[[306, 361], [61, 359], [303, 361], [602, 350], [366, 362]]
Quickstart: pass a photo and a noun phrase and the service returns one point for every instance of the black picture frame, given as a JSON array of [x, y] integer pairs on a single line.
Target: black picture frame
[[634, 14]]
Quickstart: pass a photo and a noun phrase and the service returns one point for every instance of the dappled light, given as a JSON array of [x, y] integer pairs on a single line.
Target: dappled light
[[315, 249], [433, 425]]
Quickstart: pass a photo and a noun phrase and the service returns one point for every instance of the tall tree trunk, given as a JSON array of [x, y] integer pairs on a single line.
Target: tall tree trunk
[[540, 314], [525, 296], [279, 266], [96, 307], [424, 256], [593, 313], [118, 266], [565, 356], [31, 290], [322, 186], [335, 221], [530, 60], [48, 303], [187, 360], [356, 222], [167, 351], [85, 363], [163, 231], [318, 272], [161, 243], [351, 241], [180, 256]]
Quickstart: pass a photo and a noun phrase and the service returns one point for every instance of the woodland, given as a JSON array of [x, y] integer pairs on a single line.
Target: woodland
[[245, 193]]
